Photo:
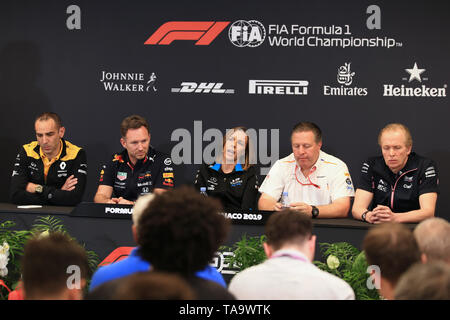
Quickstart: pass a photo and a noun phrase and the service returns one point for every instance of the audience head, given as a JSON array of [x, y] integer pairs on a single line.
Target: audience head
[[433, 237], [181, 230], [139, 206], [425, 281], [393, 248], [54, 267], [153, 286], [289, 229]]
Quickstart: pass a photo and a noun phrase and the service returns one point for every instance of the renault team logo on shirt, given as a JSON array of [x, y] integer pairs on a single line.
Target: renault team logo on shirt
[[278, 87], [202, 31]]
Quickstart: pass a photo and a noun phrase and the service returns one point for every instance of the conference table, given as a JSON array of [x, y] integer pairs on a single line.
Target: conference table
[[105, 227]]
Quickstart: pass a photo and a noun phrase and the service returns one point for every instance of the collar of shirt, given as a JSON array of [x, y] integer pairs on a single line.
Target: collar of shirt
[[48, 162], [237, 167], [315, 168], [290, 253], [44, 157], [150, 154]]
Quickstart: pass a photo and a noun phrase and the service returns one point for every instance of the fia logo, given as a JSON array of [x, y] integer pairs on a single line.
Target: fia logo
[[345, 76], [247, 33]]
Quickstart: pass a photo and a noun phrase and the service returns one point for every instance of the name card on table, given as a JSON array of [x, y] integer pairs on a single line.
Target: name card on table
[[124, 211], [103, 210]]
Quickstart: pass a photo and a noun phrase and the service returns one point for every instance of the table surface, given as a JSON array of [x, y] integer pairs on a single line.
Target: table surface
[[58, 210]]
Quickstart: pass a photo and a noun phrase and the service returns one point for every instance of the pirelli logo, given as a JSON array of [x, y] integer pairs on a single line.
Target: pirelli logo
[[278, 87]]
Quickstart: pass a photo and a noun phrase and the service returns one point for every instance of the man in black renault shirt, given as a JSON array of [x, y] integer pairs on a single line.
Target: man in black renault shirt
[[398, 186], [50, 170], [138, 169]]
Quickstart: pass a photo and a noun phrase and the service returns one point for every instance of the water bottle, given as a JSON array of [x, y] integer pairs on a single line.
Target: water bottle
[[203, 191], [285, 200]]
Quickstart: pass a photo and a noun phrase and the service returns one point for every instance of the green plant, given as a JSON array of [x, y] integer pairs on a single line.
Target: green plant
[[247, 252], [16, 240], [348, 263]]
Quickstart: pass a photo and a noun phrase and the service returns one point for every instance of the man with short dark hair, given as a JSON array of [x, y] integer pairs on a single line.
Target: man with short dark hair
[[316, 183], [51, 170], [179, 232], [399, 185], [139, 169], [54, 267], [288, 273], [134, 262], [393, 248]]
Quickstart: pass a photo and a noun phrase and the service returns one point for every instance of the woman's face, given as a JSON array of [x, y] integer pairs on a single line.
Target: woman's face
[[235, 147]]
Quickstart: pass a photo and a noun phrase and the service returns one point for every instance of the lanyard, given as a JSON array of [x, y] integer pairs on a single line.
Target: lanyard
[[289, 256], [310, 182]]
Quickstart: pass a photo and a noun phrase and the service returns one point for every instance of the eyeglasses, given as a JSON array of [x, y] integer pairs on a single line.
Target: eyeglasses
[[310, 182]]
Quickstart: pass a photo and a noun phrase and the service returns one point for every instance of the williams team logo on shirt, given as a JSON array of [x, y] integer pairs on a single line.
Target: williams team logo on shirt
[[236, 182]]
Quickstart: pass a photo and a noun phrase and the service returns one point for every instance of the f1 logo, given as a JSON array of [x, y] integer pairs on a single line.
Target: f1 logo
[[203, 31]]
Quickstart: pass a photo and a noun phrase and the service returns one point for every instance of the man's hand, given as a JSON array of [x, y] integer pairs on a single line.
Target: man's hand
[[70, 183], [302, 207], [278, 206], [31, 187], [383, 214], [125, 201], [113, 200], [371, 217]]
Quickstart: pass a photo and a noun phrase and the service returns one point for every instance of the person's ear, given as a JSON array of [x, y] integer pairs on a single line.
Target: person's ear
[[267, 249], [424, 258], [123, 142], [61, 131]]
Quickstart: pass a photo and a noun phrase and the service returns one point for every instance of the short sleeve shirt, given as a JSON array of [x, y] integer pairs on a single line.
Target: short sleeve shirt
[[131, 181], [399, 191], [328, 180]]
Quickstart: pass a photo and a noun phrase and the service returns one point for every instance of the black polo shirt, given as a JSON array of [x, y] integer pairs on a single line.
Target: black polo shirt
[[399, 191], [131, 181], [236, 190], [29, 167]]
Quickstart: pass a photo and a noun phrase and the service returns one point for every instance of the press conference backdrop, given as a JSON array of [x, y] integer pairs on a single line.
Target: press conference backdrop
[[195, 67]]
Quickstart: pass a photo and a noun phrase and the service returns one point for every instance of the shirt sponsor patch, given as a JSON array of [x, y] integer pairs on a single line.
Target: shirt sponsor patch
[[168, 175], [121, 175], [430, 172]]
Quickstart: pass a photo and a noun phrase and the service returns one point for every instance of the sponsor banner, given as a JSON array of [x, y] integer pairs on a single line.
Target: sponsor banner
[[416, 89], [278, 87]]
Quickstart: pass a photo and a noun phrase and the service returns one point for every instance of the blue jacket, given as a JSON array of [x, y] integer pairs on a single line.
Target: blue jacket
[[134, 263]]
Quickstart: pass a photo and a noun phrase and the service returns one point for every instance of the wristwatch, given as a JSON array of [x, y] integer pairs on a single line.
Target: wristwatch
[[315, 212], [363, 217], [38, 188]]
